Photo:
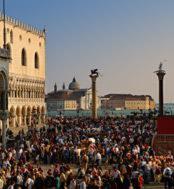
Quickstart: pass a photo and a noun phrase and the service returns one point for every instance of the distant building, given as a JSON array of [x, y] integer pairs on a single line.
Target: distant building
[[72, 98], [127, 101]]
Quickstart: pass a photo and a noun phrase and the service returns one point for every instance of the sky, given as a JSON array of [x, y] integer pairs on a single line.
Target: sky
[[125, 39]]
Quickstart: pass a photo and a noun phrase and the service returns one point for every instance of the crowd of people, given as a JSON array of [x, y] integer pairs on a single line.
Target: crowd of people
[[82, 153]]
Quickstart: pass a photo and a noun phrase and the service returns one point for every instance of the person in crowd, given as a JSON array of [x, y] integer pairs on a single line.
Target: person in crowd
[[79, 152], [167, 173]]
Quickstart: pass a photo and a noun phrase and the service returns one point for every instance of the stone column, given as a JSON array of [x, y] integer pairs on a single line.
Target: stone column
[[4, 130], [4, 117], [19, 120], [39, 118], [29, 119], [13, 120], [24, 120], [43, 117], [94, 75], [161, 73]]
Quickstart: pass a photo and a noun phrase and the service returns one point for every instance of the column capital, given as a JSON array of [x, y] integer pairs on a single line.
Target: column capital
[[160, 74]]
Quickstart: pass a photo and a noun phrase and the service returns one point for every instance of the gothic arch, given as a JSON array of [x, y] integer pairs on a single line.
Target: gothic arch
[[36, 60], [28, 115], [24, 114], [18, 114], [38, 110], [34, 110], [23, 57], [18, 111], [3, 90], [12, 111], [11, 36], [24, 111], [3, 80], [9, 49], [43, 110], [28, 110], [12, 117]]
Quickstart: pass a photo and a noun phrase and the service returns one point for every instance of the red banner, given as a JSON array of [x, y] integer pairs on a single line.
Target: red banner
[[165, 125]]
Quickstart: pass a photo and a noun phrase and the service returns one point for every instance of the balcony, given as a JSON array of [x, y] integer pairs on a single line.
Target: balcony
[[4, 53]]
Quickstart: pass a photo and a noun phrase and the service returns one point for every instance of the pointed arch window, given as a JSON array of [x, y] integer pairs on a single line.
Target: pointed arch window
[[36, 60], [9, 48], [23, 57], [11, 36]]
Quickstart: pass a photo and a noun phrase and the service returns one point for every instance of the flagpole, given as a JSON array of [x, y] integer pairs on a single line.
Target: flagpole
[[4, 36]]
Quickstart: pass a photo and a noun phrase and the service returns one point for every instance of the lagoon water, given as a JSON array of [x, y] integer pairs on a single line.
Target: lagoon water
[[168, 110]]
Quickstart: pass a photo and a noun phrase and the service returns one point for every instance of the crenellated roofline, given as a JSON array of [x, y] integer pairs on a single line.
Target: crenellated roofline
[[22, 25]]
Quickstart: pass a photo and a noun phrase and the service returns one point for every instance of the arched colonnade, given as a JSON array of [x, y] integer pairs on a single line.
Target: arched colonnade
[[26, 116]]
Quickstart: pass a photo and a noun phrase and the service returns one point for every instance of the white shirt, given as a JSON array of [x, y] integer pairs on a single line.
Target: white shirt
[[83, 185], [72, 184], [19, 179], [29, 183], [11, 187], [98, 156]]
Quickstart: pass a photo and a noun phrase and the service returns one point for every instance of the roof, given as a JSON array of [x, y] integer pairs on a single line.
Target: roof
[[126, 97], [74, 85], [24, 26]]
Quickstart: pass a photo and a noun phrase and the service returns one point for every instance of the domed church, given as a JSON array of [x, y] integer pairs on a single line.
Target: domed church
[[73, 98], [74, 85]]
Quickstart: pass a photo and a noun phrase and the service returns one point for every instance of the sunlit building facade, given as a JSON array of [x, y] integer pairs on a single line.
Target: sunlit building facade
[[127, 101], [26, 87]]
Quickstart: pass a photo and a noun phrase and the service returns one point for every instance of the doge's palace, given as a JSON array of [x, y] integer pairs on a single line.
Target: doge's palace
[[26, 87]]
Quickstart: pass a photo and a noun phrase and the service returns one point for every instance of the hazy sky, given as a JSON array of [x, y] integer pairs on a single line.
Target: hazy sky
[[124, 39]]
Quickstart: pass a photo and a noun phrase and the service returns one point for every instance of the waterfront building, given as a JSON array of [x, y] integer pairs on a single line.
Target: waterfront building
[[127, 101], [73, 98], [140, 103], [26, 87]]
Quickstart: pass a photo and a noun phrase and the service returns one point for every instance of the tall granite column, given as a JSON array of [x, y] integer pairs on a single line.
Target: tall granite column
[[161, 73], [94, 76]]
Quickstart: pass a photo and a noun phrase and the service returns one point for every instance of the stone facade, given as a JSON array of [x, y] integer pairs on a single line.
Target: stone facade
[[145, 103], [26, 87], [127, 101]]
